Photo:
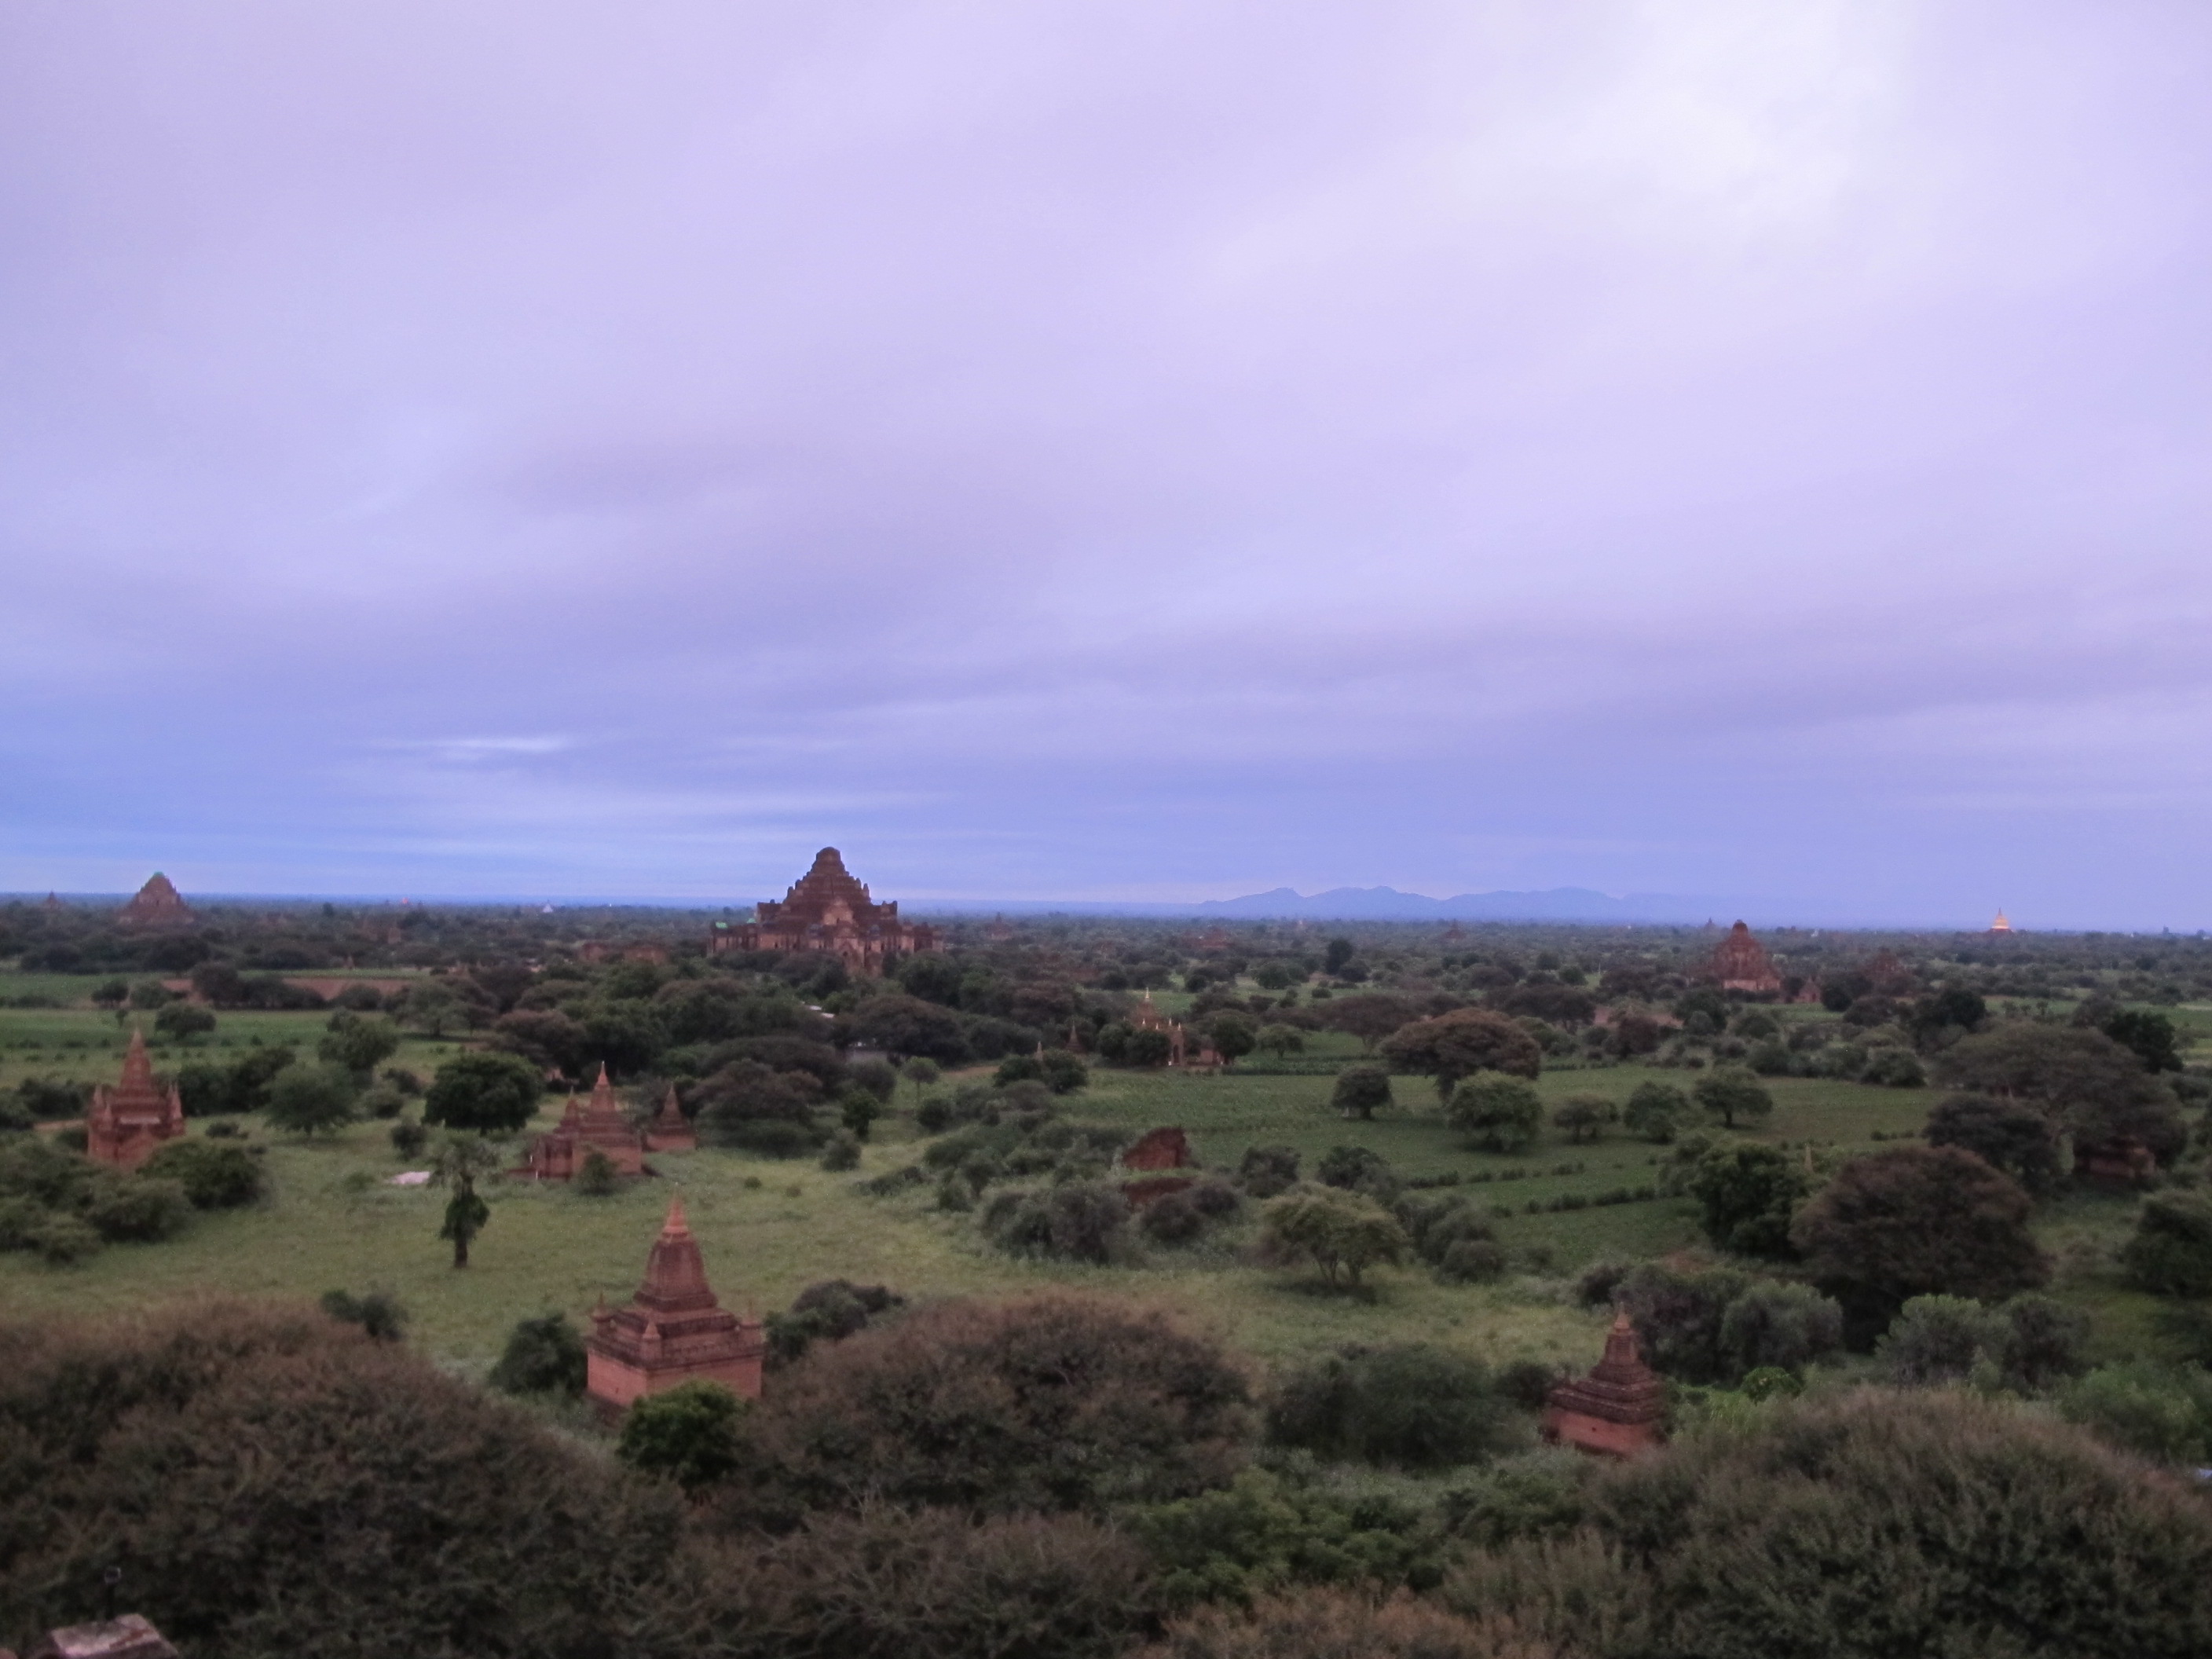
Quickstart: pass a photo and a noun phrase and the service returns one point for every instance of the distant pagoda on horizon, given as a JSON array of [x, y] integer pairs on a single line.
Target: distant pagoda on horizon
[[1739, 962], [157, 904], [827, 912], [2002, 924]]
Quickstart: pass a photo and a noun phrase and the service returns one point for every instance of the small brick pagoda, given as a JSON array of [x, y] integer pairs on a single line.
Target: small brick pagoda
[[1618, 1410], [674, 1332], [670, 1130], [1147, 1016], [827, 911], [127, 1122], [598, 1124], [157, 904], [1739, 962]]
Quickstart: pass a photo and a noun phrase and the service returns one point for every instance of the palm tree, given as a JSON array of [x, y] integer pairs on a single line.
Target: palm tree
[[457, 1162]]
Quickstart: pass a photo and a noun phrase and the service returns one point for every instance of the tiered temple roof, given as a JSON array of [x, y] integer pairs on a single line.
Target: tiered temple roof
[[128, 1121], [670, 1130], [826, 910], [673, 1332], [598, 1124], [157, 904], [1739, 962], [1619, 1409]]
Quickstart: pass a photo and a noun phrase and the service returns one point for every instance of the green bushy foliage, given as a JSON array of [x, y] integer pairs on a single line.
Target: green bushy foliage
[[2171, 1253], [1746, 1195], [1326, 1622], [1412, 1406], [1343, 1234], [2163, 1413], [1261, 1533], [545, 1355], [1864, 1526], [693, 1434], [1495, 1111], [1078, 1221], [379, 1313], [1054, 1403]]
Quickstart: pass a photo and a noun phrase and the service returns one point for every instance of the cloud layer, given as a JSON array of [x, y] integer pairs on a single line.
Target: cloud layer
[[1102, 452]]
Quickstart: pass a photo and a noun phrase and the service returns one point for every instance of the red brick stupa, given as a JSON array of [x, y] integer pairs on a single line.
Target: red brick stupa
[[128, 1121], [157, 904], [1618, 1410], [670, 1130], [826, 910], [597, 1125], [674, 1332], [1739, 962]]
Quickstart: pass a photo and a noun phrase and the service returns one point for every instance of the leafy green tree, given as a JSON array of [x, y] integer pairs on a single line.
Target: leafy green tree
[[1584, 1117], [1063, 1073], [459, 1161], [1461, 1043], [921, 1072], [1746, 1195], [1279, 1040], [1940, 1339], [310, 1099], [2171, 1253], [357, 1042], [1267, 1171], [911, 1028], [1361, 1091], [1234, 1036], [2163, 1413], [491, 1093], [857, 1109], [1343, 1234], [181, 1021], [1338, 952], [1916, 1221], [1412, 1406], [1371, 1017], [2151, 1037], [215, 1177], [2009, 1135], [545, 1355], [693, 1433], [429, 1007], [1729, 1093], [1145, 1048], [2091, 1087], [1772, 1325], [1655, 1111], [1498, 1113], [379, 1313]]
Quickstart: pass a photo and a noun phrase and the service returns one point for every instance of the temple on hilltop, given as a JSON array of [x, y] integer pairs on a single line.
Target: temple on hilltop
[[2002, 925], [127, 1122], [674, 1331], [1618, 1410], [669, 1131], [1739, 962], [826, 911], [157, 904], [596, 1125]]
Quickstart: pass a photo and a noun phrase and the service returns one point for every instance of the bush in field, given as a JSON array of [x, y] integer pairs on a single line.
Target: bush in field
[[1078, 1220], [2163, 1413], [2029, 1344], [182, 1023], [1327, 1623], [826, 1312], [1496, 1112], [1263, 1532], [378, 1314], [1361, 1091], [1730, 1092], [1679, 1318], [1268, 1170], [1343, 1234], [277, 1483], [1656, 1111], [308, 1100], [135, 1209], [1411, 1406], [2171, 1253], [1055, 1402], [1772, 1325], [215, 1177], [1584, 1116], [545, 1355], [358, 1043]]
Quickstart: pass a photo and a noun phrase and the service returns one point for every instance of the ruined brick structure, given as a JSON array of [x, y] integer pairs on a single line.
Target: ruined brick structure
[[598, 1124], [827, 911], [1739, 962], [1618, 1410], [670, 1130], [674, 1332], [157, 904], [128, 1121], [1159, 1149]]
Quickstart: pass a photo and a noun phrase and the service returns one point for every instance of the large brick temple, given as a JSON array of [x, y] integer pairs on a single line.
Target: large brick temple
[[157, 904], [673, 1332], [1739, 962], [128, 1121], [828, 912]]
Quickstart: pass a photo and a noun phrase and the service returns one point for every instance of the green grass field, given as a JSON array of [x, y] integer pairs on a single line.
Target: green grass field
[[771, 1228]]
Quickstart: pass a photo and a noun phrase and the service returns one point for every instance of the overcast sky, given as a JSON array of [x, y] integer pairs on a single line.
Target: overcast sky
[[1111, 451]]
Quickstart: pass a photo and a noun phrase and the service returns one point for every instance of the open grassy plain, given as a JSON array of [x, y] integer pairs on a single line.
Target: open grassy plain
[[770, 1228]]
